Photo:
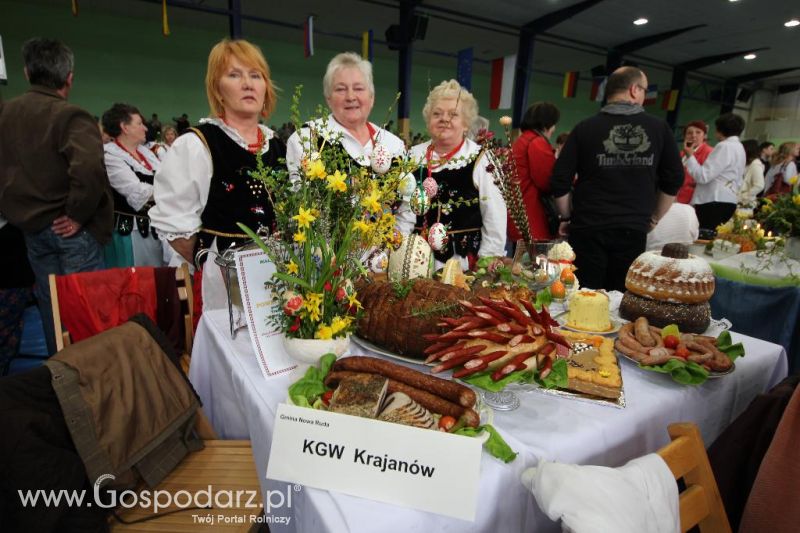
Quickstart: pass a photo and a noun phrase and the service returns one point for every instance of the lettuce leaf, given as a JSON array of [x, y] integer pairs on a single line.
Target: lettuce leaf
[[495, 445], [686, 373], [543, 297], [305, 391], [725, 344], [556, 378]]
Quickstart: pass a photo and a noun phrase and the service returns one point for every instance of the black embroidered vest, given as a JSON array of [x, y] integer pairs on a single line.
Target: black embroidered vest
[[124, 213], [233, 195], [463, 222]]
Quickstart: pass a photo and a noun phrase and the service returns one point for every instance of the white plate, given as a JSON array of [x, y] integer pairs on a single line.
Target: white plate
[[711, 373], [383, 351], [615, 326]]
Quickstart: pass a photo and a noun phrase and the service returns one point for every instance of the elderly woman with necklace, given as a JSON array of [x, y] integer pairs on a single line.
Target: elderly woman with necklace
[[131, 167], [452, 170], [350, 94]]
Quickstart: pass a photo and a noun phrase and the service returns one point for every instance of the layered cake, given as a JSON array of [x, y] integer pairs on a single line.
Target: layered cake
[[588, 311], [670, 287], [593, 368]]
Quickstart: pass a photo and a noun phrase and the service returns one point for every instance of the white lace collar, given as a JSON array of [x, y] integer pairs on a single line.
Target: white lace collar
[[233, 133], [465, 155], [112, 148]]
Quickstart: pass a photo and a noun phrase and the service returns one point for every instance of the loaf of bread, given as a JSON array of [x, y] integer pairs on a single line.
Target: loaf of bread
[[399, 314], [690, 318]]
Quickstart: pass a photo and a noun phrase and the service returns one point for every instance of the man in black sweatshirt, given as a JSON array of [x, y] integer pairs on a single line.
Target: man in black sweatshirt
[[623, 170]]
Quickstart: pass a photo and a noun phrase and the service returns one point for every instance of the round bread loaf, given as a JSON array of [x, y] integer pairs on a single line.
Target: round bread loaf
[[674, 275], [690, 318]]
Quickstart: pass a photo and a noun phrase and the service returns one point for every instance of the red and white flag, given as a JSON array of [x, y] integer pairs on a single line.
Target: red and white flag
[[502, 86]]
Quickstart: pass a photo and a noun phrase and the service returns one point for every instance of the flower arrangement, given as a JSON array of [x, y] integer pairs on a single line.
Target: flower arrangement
[[327, 219], [743, 231], [781, 214]]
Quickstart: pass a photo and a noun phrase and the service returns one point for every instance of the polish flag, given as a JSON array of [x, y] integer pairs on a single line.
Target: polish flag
[[502, 82]]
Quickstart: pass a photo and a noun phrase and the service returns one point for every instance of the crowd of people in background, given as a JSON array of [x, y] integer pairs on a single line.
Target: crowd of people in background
[[141, 192]]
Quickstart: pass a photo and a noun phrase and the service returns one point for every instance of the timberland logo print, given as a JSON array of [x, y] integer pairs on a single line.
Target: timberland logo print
[[625, 147]]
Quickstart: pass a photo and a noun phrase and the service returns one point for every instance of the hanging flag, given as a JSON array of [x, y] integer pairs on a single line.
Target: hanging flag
[[164, 20], [598, 89], [570, 83], [464, 68], [366, 45], [308, 37], [651, 96], [670, 100], [502, 86], [74, 8]]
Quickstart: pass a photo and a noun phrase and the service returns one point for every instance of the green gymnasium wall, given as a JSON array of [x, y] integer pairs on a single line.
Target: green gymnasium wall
[[128, 60]]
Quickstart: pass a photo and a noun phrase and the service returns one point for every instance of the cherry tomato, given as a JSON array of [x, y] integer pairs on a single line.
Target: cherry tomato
[[681, 351], [446, 423], [326, 398], [671, 342]]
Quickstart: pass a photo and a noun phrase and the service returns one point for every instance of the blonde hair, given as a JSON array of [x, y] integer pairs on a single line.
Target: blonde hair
[[248, 54], [347, 60], [785, 150], [451, 90]]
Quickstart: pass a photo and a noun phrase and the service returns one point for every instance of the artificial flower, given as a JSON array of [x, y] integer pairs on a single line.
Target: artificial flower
[[793, 180], [340, 323], [304, 218], [362, 226], [323, 332], [312, 306], [291, 267], [293, 305], [300, 236], [372, 201], [352, 302], [336, 182], [315, 170]]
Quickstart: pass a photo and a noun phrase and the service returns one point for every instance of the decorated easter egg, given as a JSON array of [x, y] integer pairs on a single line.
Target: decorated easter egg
[[397, 239], [380, 159], [431, 187], [378, 261], [407, 185], [414, 259], [437, 236], [420, 201]]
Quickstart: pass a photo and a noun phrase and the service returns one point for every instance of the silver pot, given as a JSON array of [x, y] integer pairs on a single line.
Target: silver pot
[[226, 261]]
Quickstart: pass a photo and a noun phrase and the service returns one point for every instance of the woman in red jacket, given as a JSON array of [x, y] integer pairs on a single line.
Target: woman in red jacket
[[535, 158]]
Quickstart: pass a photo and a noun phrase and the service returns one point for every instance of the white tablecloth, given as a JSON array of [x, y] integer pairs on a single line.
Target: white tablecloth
[[241, 404]]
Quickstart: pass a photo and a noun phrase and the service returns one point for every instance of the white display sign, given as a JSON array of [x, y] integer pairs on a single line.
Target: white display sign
[[253, 268], [418, 468]]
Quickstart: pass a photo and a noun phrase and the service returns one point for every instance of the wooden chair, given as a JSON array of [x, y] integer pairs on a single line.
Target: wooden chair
[[700, 503], [184, 282], [225, 465]]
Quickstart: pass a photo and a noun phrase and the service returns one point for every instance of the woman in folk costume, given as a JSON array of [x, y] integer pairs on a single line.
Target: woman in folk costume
[[459, 208], [131, 167], [204, 187], [350, 94]]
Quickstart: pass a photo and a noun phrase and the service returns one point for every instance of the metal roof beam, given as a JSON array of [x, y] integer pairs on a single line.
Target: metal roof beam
[[554, 18], [707, 61]]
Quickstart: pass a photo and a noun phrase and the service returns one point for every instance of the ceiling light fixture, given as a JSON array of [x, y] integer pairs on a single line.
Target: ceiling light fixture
[[640, 21], [792, 23], [750, 56]]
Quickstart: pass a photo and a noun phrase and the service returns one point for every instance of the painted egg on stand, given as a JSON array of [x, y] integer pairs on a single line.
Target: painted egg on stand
[[378, 261], [420, 202], [437, 236], [431, 187], [397, 239], [407, 185], [380, 159]]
